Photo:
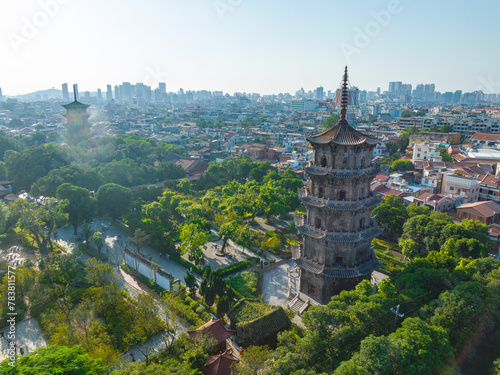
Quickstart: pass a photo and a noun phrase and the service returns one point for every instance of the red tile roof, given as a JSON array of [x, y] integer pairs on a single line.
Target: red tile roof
[[219, 364], [485, 209], [214, 328], [485, 137], [381, 178], [388, 191], [490, 181]]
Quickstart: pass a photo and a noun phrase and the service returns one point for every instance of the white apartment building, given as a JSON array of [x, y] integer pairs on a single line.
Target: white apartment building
[[425, 151], [461, 186]]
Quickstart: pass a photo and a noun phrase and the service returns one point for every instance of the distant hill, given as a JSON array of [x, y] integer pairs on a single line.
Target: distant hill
[[40, 95]]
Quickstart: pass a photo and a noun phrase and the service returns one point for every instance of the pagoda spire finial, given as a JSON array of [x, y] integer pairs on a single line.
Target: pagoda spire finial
[[75, 90], [343, 111]]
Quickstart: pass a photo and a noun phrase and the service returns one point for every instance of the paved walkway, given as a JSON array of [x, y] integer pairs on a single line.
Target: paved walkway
[[115, 241], [29, 335], [217, 260], [275, 285]]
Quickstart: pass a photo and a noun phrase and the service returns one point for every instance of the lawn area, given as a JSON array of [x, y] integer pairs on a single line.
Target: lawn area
[[390, 262], [246, 283], [377, 242]]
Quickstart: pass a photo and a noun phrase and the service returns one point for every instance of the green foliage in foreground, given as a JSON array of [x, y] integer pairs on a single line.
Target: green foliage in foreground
[[55, 360]]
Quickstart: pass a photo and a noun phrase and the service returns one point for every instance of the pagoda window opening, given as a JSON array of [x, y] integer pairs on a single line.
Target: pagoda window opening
[[362, 223], [338, 261], [320, 192], [318, 222], [342, 195], [345, 160], [362, 162], [323, 161]]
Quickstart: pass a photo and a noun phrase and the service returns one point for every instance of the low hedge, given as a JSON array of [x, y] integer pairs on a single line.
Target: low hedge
[[185, 308], [237, 266], [92, 252], [188, 264]]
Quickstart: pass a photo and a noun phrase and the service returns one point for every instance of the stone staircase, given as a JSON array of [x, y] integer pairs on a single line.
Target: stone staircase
[[299, 305]]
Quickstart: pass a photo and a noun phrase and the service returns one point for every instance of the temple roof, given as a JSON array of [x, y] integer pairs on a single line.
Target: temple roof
[[214, 328], [219, 364], [76, 104], [342, 133]]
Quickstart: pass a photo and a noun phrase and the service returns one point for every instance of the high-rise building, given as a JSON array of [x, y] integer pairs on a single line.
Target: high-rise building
[[65, 92], [337, 229], [109, 93], [457, 95], [1, 96], [99, 95], [117, 93], [163, 87], [297, 105], [319, 93], [395, 88], [126, 92], [77, 119]]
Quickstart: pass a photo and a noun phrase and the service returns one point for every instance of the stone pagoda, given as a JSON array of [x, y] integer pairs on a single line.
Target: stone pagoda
[[77, 120], [337, 230]]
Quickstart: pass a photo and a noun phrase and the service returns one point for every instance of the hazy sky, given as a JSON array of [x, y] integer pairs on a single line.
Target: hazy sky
[[266, 46]]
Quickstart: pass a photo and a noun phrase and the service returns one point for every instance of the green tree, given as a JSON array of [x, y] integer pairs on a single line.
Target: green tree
[[228, 230], [414, 210], [446, 128], [114, 200], [27, 166], [222, 306], [54, 359], [415, 229], [98, 240], [140, 239], [330, 121], [402, 165], [444, 155], [88, 232], [252, 362], [469, 248], [81, 206], [192, 238], [392, 147], [190, 280], [184, 186], [42, 220], [404, 140], [390, 215]]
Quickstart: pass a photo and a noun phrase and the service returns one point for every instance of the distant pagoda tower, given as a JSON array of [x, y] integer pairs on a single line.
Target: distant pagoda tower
[[77, 120], [336, 251]]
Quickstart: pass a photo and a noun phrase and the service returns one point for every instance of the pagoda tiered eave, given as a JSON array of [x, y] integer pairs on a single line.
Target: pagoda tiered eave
[[343, 172], [344, 205], [339, 236], [340, 271]]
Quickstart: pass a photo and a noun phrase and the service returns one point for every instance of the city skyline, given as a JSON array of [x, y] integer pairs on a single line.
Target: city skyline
[[241, 46]]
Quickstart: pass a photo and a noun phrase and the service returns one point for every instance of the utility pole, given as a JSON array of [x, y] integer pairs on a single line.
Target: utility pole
[[397, 315]]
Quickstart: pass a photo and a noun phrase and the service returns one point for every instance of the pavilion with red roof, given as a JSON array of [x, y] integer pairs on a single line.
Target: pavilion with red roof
[[219, 364], [215, 329]]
